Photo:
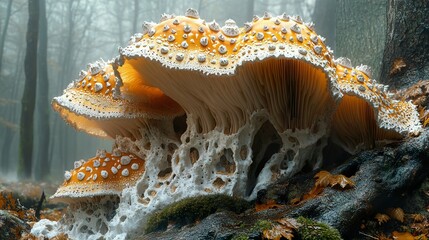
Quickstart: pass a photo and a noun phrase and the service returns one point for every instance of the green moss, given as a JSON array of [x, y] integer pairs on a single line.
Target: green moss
[[189, 210], [312, 230], [262, 225], [240, 236]]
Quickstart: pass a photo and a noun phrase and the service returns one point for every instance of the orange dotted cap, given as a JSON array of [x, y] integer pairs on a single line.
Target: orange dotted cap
[[367, 112], [102, 104], [188, 42], [105, 174]]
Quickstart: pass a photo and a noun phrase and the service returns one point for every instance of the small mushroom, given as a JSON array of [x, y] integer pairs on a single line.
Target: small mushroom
[[101, 180]]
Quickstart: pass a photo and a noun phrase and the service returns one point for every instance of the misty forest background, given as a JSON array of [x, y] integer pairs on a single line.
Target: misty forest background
[[45, 43]]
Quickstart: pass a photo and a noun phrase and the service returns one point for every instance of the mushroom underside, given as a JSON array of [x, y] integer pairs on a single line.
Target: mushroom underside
[[355, 126], [296, 94]]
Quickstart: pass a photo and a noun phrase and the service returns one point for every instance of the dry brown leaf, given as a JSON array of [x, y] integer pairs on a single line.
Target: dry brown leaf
[[283, 228], [7, 201], [343, 181], [396, 213], [417, 217], [381, 218], [382, 237], [420, 227], [289, 222], [325, 179], [397, 65]]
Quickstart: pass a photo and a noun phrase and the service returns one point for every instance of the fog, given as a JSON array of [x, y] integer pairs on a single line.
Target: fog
[[82, 31]]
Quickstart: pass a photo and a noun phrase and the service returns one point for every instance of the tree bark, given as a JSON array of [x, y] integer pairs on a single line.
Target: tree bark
[[406, 55], [29, 95], [43, 105], [4, 31], [360, 32]]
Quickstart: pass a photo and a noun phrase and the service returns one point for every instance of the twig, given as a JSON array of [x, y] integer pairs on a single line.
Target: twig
[[367, 235], [39, 205]]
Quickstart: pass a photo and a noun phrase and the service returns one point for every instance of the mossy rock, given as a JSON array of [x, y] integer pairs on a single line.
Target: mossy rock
[[262, 225], [189, 210], [240, 236], [312, 230]]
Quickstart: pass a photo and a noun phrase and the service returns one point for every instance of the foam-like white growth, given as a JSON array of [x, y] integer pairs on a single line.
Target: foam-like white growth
[[238, 164]]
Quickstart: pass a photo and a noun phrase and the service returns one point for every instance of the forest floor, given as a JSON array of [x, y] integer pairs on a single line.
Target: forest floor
[[21, 206], [19, 210]]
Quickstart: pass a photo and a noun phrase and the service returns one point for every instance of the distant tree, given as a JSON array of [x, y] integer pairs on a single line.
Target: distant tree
[[43, 106], [4, 31], [29, 96]]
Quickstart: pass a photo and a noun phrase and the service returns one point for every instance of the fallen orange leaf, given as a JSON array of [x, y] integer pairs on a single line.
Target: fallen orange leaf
[[402, 235], [270, 204]]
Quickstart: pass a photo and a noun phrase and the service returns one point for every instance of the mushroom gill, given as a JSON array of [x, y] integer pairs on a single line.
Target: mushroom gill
[[367, 115]]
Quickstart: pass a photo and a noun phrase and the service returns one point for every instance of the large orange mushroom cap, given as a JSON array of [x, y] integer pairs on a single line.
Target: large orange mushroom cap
[[105, 105], [105, 174], [368, 114], [188, 42], [222, 75]]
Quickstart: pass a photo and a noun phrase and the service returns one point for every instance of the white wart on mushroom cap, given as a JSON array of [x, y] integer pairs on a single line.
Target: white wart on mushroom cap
[[105, 174], [221, 75], [368, 114], [102, 104]]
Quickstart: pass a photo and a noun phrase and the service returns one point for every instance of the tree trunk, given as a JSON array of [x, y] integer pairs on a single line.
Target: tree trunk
[[5, 150], [360, 32], [4, 31], [29, 95], [324, 16], [406, 55], [43, 99], [9, 134]]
